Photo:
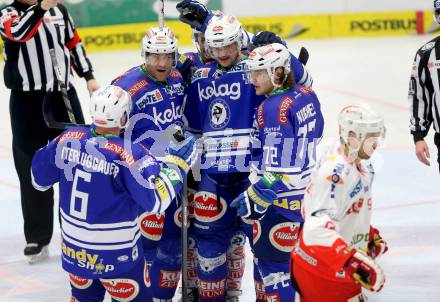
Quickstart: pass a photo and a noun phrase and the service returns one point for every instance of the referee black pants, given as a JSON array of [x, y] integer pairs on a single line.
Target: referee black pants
[[29, 133]]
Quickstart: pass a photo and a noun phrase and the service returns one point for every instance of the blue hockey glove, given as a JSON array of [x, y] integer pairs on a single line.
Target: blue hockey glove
[[264, 38], [253, 203], [182, 154], [194, 13]]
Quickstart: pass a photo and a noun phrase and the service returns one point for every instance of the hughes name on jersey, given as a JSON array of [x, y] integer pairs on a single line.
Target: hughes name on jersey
[[220, 106], [102, 184], [287, 128], [156, 106], [337, 212]]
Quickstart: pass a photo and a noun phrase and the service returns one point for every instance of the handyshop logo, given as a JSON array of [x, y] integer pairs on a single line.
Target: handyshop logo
[[86, 260]]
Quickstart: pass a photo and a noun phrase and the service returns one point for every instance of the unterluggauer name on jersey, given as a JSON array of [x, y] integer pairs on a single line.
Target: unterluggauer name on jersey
[[89, 161]]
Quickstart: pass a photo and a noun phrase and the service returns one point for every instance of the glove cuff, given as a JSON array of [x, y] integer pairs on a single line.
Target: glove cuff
[[175, 160], [256, 198]]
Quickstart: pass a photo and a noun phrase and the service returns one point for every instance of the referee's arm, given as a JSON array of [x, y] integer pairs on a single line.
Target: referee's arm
[[20, 28], [420, 97]]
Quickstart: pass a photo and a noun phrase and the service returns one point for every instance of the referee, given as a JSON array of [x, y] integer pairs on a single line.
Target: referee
[[424, 95], [29, 28]]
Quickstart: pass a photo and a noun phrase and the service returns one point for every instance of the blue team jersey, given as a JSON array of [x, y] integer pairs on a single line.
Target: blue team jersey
[[220, 107], [287, 128], [156, 105], [102, 183]]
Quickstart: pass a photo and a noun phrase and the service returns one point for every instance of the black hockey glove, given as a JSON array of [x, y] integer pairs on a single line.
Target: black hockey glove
[[264, 38], [193, 13]]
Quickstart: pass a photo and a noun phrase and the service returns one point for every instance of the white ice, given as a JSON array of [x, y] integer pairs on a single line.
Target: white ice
[[406, 197]]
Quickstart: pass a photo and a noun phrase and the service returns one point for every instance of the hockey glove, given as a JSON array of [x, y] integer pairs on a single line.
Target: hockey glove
[[181, 155], [366, 271], [376, 245], [264, 38], [194, 13], [253, 203]]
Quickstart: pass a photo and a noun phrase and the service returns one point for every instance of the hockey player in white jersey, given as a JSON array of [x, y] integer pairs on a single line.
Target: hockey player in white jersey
[[103, 180], [335, 257]]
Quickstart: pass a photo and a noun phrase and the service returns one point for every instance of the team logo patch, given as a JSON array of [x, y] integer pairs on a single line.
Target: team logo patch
[[151, 225], [256, 230], [122, 290], [149, 98], [169, 279], [220, 114], [201, 73], [80, 283], [207, 208], [178, 217], [283, 110], [284, 235]]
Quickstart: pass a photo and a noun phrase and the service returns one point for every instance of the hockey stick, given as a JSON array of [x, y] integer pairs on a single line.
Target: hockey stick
[[48, 116], [161, 13], [175, 133], [179, 137], [62, 84]]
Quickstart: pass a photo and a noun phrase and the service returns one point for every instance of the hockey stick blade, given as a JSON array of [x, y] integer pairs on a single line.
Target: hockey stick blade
[[303, 56], [49, 119]]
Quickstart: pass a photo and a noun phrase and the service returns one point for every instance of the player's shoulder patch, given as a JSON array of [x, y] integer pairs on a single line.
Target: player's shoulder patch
[[283, 109], [71, 134], [201, 73], [137, 86]]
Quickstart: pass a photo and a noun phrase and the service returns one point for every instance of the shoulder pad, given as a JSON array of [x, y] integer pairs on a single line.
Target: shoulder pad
[[428, 46]]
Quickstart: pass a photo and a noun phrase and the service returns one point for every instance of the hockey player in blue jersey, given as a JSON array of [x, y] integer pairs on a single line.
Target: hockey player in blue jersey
[[103, 180], [288, 125], [158, 91], [217, 93], [198, 16]]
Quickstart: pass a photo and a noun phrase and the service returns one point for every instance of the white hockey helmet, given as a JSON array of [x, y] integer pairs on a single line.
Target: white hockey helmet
[[108, 105], [360, 120], [159, 41], [269, 57], [223, 30]]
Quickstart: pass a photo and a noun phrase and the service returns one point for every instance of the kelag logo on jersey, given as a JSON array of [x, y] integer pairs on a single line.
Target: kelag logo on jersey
[[168, 115], [149, 98], [220, 114], [232, 91]]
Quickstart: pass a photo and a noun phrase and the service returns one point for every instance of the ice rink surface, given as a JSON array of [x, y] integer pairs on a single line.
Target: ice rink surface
[[406, 194]]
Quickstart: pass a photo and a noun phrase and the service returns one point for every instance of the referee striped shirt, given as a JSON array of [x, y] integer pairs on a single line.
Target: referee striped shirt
[[424, 90], [28, 32]]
